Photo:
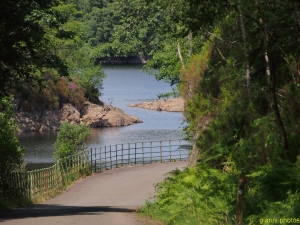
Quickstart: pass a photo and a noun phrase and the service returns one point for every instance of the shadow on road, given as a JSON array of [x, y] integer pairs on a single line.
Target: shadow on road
[[43, 210]]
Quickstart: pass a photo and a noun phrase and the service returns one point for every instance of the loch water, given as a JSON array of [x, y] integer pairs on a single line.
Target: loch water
[[124, 85]]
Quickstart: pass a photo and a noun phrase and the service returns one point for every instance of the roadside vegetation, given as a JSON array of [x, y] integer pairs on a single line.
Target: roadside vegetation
[[70, 146], [241, 89]]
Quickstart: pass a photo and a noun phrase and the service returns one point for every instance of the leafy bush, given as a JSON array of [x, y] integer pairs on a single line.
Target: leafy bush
[[279, 212], [70, 140], [70, 92]]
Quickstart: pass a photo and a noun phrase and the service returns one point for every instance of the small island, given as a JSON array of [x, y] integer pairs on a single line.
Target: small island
[[170, 105]]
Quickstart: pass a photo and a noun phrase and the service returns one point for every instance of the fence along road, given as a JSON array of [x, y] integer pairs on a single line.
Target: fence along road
[[107, 197]]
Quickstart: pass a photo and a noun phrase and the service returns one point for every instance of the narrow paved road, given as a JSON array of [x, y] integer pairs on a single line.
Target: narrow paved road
[[106, 198]]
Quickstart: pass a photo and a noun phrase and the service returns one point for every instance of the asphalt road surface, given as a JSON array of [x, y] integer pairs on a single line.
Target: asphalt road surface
[[106, 198]]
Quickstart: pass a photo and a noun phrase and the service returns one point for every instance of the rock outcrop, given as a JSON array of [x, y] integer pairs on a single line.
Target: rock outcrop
[[170, 105], [91, 114], [105, 116]]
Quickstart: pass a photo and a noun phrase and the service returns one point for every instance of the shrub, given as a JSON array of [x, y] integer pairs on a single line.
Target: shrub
[[70, 140]]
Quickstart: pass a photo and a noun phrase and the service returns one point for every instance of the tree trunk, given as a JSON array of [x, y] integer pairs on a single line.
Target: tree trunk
[[240, 199], [270, 71], [190, 39], [179, 53], [247, 65]]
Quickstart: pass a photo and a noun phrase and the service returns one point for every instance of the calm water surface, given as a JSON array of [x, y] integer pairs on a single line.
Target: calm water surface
[[123, 86]]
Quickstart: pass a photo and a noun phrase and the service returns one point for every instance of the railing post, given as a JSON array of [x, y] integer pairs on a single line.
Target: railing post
[[160, 152], [100, 166], [95, 168], [170, 148], [36, 184], [40, 183], [179, 144], [31, 185], [135, 153], [116, 156], [122, 156], [50, 181], [143, 153], [105, 156], [151, 152], [78, 161], [129, 154], [110, 157], [62, 174]]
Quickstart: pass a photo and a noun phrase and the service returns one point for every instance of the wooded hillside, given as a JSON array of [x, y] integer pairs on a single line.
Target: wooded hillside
[[239, 70]]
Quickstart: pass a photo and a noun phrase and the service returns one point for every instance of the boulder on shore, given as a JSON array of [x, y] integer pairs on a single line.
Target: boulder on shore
[[170, 105], [91, 114]]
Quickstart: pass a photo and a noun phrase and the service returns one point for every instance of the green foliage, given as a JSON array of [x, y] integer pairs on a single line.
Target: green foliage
[[203, 195], [173, 94], [70, 140], [243, 126], [197, 195], [66, 40], [70, 45], [278, 212], [25, 46], [119, 28], [11, 152], [165, 64], [273, 193]]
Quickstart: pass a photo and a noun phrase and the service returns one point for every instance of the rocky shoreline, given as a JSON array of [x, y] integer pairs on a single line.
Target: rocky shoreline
[[93, 115], [170, 105]]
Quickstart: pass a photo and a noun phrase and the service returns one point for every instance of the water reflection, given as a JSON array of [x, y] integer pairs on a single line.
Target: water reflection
[[111, 136], [38, 146]]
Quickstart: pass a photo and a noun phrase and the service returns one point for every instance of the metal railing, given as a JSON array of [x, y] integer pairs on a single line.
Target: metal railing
[[42, 184], [121, 155]]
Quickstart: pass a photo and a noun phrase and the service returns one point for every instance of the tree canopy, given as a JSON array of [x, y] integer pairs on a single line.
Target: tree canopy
[[25, 48]]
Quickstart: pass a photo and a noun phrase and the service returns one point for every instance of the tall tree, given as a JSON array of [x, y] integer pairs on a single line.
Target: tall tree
[[25, 49]]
